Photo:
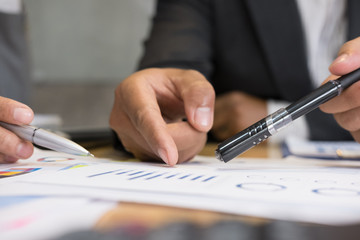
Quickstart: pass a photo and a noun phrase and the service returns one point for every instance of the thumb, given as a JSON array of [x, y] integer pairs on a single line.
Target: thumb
[[199, 98], [348, 58]]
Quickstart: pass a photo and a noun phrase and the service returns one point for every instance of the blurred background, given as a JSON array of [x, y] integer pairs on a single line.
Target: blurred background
[[80, 50]]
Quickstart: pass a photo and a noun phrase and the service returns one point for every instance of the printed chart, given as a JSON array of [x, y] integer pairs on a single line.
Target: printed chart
[[326, 193], [55, 159], [16, 171], [145, 175]]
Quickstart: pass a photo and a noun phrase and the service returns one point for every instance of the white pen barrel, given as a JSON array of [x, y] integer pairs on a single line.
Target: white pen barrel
[[46, 139], [42, 138], [26, 133], [52, 141]]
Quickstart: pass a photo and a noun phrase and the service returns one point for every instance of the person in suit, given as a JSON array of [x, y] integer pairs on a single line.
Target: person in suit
[[253, 54], [14, 81]]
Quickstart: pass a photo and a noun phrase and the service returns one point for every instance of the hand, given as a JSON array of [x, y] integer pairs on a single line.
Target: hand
[[346, 107], [12, 147], [236, 111], [149, 111]]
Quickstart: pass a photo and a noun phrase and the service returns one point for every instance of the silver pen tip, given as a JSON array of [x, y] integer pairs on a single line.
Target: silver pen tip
[[218, 155], [88, 154]]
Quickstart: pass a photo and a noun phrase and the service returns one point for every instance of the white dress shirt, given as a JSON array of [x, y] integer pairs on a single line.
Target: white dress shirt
[[324, 23]]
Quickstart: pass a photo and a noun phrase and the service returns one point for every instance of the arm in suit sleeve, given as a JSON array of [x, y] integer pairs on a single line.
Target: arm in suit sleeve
[[180, 37]]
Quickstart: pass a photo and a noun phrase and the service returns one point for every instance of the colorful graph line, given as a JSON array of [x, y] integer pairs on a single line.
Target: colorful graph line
[[54, 159], [78, 165], [16, 171]]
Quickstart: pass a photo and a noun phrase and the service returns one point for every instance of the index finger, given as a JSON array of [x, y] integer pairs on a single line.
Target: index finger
[[144, 112]]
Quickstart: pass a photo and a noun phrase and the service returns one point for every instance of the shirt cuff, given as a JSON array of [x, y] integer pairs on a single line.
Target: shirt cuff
[[298, 128]]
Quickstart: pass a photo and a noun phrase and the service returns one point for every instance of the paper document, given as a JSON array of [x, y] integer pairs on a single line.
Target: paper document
[[38, 218], [34, 215], [322, 149], [309, 191]]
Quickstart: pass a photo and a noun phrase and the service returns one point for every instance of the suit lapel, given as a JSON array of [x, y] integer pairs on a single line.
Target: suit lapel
[[278, 26], [354, 19]]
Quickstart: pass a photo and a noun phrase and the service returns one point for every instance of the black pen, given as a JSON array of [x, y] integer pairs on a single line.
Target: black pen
[[273, 123]]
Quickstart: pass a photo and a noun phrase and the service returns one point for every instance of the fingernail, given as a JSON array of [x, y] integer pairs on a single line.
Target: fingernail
[[22, 115], [163, 156], [203, 116], [342, 58], [24, 150]]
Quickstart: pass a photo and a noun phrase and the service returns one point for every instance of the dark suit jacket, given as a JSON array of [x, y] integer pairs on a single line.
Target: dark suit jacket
[[256, 46]]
